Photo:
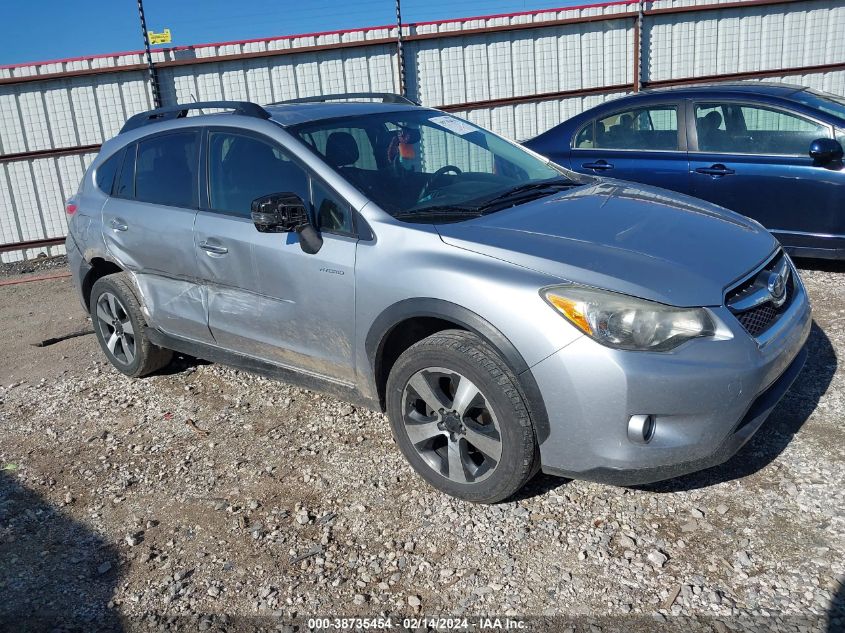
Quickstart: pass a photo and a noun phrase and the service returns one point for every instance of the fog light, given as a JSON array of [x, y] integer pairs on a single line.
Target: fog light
[[641, 429]]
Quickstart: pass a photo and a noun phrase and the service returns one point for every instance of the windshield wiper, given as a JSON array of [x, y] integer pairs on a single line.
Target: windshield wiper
[[543, 187], [440, 210]]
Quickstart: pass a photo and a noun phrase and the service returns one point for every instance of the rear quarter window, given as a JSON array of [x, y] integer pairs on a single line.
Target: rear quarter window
[[584, 138], [104, 174], [125, 185]]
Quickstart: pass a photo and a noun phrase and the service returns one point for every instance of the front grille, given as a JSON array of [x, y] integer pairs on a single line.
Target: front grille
[[751, 301], [757, 320]]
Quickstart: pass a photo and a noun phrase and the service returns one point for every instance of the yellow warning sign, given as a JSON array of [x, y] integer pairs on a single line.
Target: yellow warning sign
[[159, 38]]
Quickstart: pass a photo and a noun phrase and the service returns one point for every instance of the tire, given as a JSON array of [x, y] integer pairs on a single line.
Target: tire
[[456, 450], [119, 323]]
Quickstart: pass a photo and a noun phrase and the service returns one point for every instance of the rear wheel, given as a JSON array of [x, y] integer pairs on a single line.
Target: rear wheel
[[459, 419], [119, 325]]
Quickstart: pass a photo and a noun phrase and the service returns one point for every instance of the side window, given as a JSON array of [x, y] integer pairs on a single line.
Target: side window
[[751, 129], [331, 212], [125, 187], [584, 138], [104, 176], [166, 170], [649, 128], [243, 168]]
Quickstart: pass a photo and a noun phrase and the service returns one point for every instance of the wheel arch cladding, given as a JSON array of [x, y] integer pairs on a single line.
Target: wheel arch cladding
[[406, 322], [99, 268]]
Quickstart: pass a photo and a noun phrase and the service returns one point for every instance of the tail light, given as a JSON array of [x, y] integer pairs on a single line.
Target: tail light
[[70, 207]]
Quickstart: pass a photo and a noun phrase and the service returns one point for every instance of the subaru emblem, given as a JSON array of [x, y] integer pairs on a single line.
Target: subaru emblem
[[776, 286]]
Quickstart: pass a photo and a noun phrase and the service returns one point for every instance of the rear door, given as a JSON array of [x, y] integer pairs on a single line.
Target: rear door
[[148, 228], [266, 297], [753, 158], [642, 144]]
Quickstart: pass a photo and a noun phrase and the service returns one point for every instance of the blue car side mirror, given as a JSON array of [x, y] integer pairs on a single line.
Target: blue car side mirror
[[826, 150]]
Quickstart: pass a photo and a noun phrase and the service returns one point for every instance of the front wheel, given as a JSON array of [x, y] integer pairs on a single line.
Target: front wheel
[[459, 419]]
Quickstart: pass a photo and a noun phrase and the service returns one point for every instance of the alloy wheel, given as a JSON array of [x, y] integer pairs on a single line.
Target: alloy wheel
[[116, 328], [451, 425]]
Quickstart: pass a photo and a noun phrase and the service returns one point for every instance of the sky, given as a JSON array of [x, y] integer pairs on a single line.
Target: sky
[[38, 30]]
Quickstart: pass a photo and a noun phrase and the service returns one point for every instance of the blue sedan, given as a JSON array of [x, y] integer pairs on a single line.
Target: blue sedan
[[770, 151]]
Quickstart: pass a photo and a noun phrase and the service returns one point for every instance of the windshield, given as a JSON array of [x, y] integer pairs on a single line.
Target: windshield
[[418, 163], [824, 101]]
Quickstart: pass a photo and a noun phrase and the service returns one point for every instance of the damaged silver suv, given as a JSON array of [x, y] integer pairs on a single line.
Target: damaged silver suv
[[507, 314]]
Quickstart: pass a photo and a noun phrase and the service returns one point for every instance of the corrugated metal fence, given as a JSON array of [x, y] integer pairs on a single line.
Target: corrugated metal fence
[[517, 74]]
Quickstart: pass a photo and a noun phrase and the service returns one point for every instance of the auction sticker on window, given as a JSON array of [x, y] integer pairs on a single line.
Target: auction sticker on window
[[455, 125]]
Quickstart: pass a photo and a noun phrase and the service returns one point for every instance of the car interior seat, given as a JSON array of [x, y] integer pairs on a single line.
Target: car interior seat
[[621, 135], [709, 134], [342, 153], [341, 149], [601, 134]]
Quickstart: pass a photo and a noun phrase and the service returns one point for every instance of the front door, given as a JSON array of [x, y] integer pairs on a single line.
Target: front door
[[642, 144], [267, 298], [148, 228], [754, 160]]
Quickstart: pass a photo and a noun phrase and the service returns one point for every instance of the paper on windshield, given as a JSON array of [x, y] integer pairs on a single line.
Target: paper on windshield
[[453, 124]]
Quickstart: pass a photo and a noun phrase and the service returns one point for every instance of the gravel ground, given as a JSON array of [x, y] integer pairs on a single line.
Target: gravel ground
[[43, 265], [203, 498]]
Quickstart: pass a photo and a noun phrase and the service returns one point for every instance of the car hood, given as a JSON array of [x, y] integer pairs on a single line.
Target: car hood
[[638, 240]]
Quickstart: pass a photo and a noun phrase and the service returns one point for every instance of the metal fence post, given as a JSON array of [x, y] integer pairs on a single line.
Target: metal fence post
[[638, 47], [399, 52], [150, 67]]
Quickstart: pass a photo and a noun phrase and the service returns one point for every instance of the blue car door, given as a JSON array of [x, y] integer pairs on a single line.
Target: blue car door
[[642, 143], [753, 159]]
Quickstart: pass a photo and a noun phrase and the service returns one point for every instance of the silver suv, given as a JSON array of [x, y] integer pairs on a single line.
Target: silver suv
[[507, 314]]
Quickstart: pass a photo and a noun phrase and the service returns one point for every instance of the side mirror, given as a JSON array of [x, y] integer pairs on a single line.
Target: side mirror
[[284, 213], [279, 213], [825, 150]]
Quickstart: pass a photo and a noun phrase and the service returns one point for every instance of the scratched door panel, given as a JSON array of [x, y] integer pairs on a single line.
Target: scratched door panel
[[269, 299], [312, 299]]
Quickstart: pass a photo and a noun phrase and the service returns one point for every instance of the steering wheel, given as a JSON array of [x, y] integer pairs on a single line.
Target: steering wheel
[[446, 169]]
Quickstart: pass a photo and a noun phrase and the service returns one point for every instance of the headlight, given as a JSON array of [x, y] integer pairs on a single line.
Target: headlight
[[625, 322]]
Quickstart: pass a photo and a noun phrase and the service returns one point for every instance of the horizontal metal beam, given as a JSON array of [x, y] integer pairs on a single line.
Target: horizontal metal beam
[[50, 153], [20, 246], [752, 74], [738, 4], [543, 96], [192, 61], [539, 24], [663, 83]]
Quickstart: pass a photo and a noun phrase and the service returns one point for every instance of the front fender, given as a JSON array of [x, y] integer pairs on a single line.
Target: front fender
[[407, 309]]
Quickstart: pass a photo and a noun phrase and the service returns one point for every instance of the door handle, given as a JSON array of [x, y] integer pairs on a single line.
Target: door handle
[[600, 165], [213, 249], [715, 170], [118, 225]]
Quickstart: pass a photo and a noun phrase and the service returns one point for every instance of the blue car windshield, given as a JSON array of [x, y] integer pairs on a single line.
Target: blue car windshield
[[826, 102], [418, 162]]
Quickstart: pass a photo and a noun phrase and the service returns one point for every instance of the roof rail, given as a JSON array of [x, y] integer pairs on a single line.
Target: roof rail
[[245, 108], [386, 97]]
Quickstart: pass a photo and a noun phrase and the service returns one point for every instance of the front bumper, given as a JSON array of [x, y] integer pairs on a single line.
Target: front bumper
[[708, 397]]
